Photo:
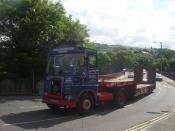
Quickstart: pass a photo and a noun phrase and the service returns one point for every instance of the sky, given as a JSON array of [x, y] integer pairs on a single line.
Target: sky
[[140, 23]]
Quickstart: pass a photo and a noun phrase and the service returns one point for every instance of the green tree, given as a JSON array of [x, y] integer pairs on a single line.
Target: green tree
[[104, 63], [124, 59], [29, 29], [144, 59]]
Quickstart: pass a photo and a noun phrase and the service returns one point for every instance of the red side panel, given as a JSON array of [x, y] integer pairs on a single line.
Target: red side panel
[[105, 96]]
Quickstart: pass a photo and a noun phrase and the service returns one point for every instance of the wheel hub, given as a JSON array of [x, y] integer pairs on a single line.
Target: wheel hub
[[122, 99], [86, 104]]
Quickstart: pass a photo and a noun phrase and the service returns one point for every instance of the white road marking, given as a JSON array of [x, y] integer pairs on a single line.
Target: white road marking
[[30, 122], [158, 93], [166, 86], [30, 107], [159, 90]]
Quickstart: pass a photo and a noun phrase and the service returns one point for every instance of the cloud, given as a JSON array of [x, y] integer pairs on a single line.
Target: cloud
[[126, 22]]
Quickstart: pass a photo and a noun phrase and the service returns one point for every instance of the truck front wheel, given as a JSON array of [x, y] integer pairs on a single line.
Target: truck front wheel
[[53, 107], [85, 104]]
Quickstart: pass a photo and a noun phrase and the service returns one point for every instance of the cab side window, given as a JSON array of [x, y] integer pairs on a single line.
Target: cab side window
[[92, 61]]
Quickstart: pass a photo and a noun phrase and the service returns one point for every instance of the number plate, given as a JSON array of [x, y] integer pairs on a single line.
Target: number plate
[[54, 101]]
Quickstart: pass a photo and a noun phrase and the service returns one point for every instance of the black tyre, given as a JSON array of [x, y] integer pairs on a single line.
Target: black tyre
[[53, 107], [150, 91], [120, 98], [85, 104]]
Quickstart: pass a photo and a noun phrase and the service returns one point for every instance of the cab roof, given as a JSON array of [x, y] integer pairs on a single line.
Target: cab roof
[[63, 49]]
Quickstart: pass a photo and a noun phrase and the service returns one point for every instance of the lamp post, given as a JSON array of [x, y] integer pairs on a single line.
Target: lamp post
[[161, 55]]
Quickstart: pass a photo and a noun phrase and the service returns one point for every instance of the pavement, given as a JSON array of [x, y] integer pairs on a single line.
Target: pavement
[[170, 81]]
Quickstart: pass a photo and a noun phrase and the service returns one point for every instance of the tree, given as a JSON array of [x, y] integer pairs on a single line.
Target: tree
[[29, 29], [104, 62], [144, 59], [112, 62]]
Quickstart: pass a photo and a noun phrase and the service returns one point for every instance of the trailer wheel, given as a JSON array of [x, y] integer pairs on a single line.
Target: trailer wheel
[[120, 98], [85, 104], [150, 91]]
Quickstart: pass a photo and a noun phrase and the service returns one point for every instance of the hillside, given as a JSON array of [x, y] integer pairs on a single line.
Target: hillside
[[152, 51], [114, 58]]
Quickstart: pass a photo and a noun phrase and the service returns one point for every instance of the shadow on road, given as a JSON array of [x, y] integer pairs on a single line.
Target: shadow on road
[[46, 118], [152, 112], [39, 119]]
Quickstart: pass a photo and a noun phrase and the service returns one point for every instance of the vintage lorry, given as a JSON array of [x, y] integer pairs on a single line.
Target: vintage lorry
[[73, 81]]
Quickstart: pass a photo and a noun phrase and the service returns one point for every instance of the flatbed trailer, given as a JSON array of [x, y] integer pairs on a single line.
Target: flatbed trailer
[[86, 89], [110, 86]]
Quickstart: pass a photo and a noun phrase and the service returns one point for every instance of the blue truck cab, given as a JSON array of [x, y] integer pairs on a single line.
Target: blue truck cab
[[71, 78]]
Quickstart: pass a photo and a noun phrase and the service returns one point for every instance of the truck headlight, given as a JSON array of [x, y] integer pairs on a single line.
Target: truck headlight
[[68, 97]]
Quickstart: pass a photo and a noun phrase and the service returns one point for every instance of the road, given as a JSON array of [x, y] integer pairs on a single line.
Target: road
[[28, 113]]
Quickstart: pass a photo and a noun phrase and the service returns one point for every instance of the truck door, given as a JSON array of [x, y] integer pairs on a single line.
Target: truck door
[[92, 72]]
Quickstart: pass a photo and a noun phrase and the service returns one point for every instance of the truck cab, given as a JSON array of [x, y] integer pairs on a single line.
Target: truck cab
[[71, 72]]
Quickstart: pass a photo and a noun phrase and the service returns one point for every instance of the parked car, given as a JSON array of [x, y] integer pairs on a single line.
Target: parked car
[[130, 75], [158, 77]]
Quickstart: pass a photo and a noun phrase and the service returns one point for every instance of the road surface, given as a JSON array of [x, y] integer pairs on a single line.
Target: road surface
[[28, 113]]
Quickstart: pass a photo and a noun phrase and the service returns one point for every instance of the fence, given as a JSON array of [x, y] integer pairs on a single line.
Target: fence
[[19, 87], [170, 75]]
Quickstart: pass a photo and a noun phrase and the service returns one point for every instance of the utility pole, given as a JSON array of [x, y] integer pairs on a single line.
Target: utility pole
[[161, 55], [33, 81]]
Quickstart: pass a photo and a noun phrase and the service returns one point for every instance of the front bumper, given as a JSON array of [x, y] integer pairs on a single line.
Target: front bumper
[[60, 102]]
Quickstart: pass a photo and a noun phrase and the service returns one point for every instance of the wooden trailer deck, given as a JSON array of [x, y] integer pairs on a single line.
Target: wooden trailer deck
[[143, 89], [115, 82]]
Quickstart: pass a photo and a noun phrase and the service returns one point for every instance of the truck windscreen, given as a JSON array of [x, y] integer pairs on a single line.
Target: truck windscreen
[[65, 64]]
